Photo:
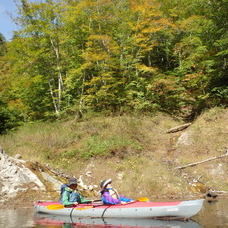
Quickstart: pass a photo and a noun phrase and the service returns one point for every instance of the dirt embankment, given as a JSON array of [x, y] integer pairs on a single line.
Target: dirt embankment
[[158, 157]]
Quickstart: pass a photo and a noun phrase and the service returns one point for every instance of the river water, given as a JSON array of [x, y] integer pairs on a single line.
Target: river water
[[212, 215]]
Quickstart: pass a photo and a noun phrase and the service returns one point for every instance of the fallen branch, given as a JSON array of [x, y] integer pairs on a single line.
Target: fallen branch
[[56, 173], [220, 192], [196, 163], [178, 128]]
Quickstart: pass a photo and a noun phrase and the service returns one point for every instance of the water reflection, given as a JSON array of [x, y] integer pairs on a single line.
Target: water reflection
[[16, 218], [214, 214], [68, 222]]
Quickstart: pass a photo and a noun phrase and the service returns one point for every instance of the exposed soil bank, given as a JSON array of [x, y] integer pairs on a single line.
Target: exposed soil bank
[[145, 156]]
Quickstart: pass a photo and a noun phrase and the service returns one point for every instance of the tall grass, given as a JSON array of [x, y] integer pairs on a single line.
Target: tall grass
[[97, 137], [33, 141]]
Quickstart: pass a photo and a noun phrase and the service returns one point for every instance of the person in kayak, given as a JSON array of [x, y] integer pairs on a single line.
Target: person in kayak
[[110, 196], [70, 196]]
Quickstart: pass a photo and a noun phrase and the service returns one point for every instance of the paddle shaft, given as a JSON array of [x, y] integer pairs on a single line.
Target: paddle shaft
[[60, 206]]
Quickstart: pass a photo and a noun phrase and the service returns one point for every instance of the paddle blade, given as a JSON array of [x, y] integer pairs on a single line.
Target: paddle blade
[[143, 199], [55, 207], [59, 206]]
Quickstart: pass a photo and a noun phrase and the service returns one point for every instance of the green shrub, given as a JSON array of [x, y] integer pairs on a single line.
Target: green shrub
[[97, 146]]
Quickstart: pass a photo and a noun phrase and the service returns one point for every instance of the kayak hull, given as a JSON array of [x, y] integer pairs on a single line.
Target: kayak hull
[[182, 209]]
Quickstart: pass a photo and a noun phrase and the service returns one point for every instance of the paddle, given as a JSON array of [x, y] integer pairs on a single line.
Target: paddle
[[60, 206], [143, 199], [55, 207]]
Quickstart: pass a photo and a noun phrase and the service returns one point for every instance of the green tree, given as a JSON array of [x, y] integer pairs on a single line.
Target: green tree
[[115, 54], [41, 30], [2, 44], [217, 12]]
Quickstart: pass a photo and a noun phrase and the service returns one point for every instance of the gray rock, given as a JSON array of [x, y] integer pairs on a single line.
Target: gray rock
[[15, 176], [18, 156], [185, 139]]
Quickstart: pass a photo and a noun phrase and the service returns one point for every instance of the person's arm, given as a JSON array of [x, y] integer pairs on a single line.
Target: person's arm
[[107, 199], [83, 199], [125, 199]]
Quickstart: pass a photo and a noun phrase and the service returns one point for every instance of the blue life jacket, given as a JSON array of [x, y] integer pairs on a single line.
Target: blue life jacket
[[74, 196]]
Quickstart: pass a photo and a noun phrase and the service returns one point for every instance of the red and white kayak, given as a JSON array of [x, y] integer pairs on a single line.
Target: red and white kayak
[[180, 209]]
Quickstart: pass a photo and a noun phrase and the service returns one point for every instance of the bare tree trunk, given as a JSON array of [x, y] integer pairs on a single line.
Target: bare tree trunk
[[60, 78], [81, 98], [53, 98]]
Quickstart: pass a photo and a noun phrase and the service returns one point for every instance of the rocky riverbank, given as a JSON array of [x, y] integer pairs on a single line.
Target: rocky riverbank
[[23, 182]]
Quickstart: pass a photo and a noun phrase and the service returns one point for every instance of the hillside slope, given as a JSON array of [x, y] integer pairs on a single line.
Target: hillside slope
[[135, 151]]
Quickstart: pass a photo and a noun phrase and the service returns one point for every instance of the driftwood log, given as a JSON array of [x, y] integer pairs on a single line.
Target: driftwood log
[[178, 128], [57, 173], [200, 162]]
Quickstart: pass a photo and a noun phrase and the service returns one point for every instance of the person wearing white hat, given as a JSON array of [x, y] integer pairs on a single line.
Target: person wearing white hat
[[110, 196]]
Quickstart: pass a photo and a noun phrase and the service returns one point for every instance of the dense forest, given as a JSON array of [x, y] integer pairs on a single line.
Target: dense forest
[[69, 57]]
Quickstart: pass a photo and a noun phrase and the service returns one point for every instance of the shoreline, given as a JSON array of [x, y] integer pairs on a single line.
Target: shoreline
[[29, 203]]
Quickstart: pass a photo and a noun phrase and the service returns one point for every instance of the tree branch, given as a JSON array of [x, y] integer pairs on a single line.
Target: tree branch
[[200, 162]]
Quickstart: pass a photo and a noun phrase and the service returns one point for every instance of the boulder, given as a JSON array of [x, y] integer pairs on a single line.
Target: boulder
[[18, 176], [15, 177]]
